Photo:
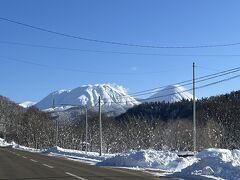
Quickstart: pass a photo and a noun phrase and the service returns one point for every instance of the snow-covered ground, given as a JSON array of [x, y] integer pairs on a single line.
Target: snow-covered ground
[[89, 157], [222, 163], [3, 143], [210, 163], [162, 160]]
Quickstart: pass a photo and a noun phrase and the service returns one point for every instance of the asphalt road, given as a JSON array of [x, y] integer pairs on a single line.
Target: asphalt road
[[19, 165]]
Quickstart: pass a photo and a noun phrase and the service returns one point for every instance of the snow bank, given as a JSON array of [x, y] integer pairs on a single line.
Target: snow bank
[[12, 144], [24, 148], [76, 154], [164, 160], [222, 163], [209, 163], [3, 143]]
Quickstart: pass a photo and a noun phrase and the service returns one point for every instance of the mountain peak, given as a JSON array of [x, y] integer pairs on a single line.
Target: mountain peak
[[113, 97], [171, 93], [27, 104]]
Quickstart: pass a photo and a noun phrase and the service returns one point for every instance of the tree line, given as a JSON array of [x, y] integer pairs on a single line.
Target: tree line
[[156, 125], [28, 127]]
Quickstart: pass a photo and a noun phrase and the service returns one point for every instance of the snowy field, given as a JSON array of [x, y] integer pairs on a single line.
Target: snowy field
[[209, 163]]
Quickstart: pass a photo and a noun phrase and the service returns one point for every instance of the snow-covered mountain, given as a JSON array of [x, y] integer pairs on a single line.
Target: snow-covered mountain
[[88, 95], [171, 93], [114, 99], [27, 104]]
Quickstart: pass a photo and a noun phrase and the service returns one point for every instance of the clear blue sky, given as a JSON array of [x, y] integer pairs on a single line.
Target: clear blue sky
[[154, 22]]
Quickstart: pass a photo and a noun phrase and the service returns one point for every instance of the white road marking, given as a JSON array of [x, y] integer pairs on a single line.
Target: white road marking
[[73, 175], [33, 160], [24, 157], [48, 166]]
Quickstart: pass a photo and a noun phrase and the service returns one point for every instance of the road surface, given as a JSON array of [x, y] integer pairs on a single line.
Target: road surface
[[22, 165]]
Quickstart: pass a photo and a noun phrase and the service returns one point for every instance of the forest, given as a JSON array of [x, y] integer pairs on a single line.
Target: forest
[[156, 125]]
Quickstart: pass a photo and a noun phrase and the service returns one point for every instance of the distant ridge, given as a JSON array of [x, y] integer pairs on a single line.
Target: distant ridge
[[171, 93], [27, 104]]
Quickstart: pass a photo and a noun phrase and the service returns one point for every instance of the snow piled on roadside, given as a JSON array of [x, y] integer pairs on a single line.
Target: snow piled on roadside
[[12, 144], [210, 163], [164, 160], [90, 157], [3, 143], [221, 163], [24, 148]]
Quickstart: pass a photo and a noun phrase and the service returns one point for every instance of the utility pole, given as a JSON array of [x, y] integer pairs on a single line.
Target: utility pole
[[86, 140], [53, 106], [100, 126], [194, 113]]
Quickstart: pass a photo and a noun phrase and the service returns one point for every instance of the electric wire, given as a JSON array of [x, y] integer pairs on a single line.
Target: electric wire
[[200, 87], [139, 93], [184, 82], [115, 42], [4, 58], [169, 88], [170, 94], [114, 52]]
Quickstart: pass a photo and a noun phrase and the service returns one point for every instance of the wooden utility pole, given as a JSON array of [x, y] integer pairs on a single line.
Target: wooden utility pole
[[194, 113], [53, 107], [100, 126], [86, 140]]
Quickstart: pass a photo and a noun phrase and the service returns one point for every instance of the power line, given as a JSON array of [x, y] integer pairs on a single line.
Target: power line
[[217, 82], [115, 42], [186, 82], [113, 52], [199, 79], [79, 106], [157, 88], [170, 94], [202, 80], [199, 87], [77, 70]]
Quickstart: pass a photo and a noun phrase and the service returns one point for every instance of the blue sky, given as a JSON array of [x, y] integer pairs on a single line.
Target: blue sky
[[154, 22]]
